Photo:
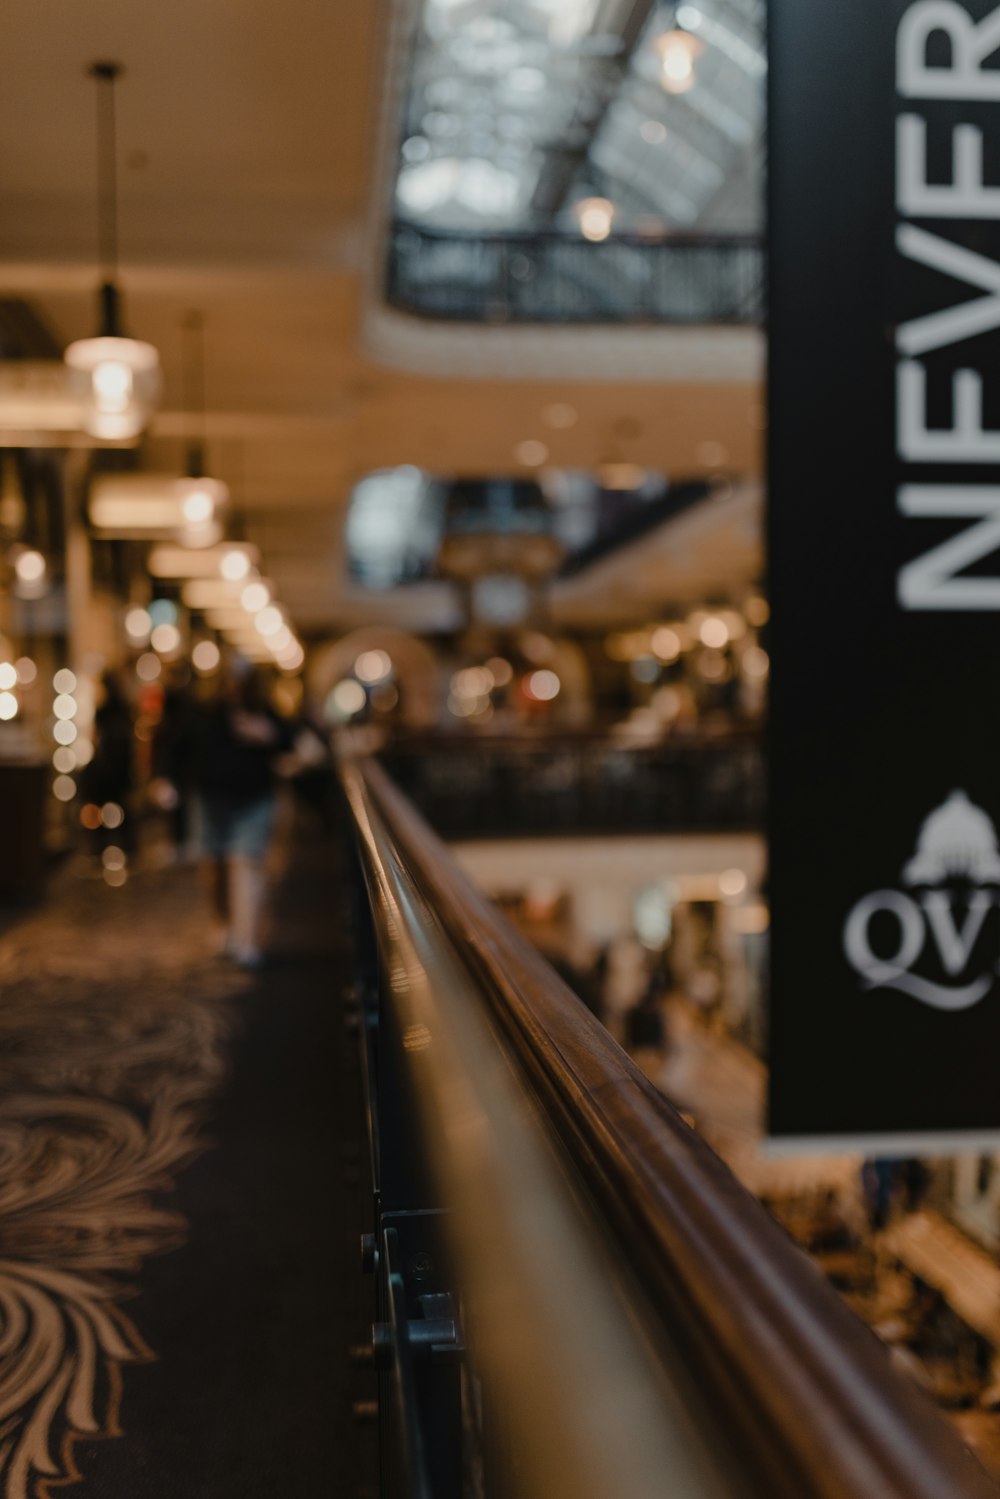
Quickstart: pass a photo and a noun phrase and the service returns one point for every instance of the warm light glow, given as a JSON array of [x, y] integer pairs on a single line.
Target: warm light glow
[[472, 681], [8, 705], [115, 877], [255, 596], [64, 706], [112, 815], [714, 632], [148, 667], [755, 662], [666, 643], [64, 788], [543, 686], [531, 453], [30, 567], [113, 857], [8, 675], [138, 625], [118, 380], [372, 666], [64, 760], [206, 656], [198, 507], [500, 670], [201, 536], [269, 621], [234, 565], [678, 50], [346, 699], [63, 731], [112, 382], [142, 504], [595, 216], [64, 680], [293, 658], [462, 707], [165, 639], [26, 670], [732, 882]]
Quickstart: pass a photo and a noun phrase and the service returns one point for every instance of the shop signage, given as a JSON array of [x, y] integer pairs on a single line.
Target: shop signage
[[885, 573]]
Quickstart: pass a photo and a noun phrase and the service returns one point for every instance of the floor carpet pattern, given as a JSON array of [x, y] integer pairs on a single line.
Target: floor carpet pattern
[[179, 1196]]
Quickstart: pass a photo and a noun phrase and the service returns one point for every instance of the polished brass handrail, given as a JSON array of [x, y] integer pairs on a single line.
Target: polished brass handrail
[[803, 1391]]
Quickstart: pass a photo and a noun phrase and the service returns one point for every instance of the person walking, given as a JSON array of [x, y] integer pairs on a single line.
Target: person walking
[[237, 737]]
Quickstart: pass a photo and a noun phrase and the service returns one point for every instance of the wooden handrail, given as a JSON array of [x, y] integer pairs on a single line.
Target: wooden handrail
[[805, 1389]]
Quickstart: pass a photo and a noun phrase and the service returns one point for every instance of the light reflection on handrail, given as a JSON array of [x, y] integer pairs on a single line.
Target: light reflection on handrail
[[583, 1392]]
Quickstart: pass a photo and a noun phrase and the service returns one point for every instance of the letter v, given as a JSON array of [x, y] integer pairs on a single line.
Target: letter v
[[922, 334], [955, 946]]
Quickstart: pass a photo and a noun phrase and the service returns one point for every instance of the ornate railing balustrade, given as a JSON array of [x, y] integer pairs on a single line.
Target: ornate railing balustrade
[[558, 278]]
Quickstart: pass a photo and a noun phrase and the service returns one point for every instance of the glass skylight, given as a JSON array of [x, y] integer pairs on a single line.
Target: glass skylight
[[518, 110]]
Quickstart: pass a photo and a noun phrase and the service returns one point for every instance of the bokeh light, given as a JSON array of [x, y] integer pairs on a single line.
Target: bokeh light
[[165, 639], [373, 666], [206, 656], [148, 667], [346, 699], [543, 685]]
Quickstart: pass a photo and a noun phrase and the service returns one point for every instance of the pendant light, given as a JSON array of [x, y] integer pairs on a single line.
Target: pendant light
[[118, 378], [203, 498]]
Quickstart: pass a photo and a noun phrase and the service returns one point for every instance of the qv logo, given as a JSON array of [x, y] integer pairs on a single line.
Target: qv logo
[[955, 879]]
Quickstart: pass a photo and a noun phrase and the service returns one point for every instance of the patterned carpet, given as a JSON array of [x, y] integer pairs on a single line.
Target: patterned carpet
[[176, 1231]]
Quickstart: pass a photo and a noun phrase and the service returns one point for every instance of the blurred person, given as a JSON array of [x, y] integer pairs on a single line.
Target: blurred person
[[236, 740], [308, 768], [171, 787], [879, 1185], [110, 776], [624, 983]]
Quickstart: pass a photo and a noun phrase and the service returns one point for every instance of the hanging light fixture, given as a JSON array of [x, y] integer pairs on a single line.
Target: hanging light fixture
[[118, 378], [202, 498]]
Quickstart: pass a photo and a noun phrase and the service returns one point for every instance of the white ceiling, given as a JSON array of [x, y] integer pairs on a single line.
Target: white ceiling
[[247, 136]]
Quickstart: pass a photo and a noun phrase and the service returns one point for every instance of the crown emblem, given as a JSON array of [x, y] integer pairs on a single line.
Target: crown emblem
[[957, 838]]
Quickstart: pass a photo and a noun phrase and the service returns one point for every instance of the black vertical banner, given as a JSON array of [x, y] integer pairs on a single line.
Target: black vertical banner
[[885, 573]]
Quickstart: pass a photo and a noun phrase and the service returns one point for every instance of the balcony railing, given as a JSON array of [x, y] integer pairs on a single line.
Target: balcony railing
[[505, 787], [556, 278]]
